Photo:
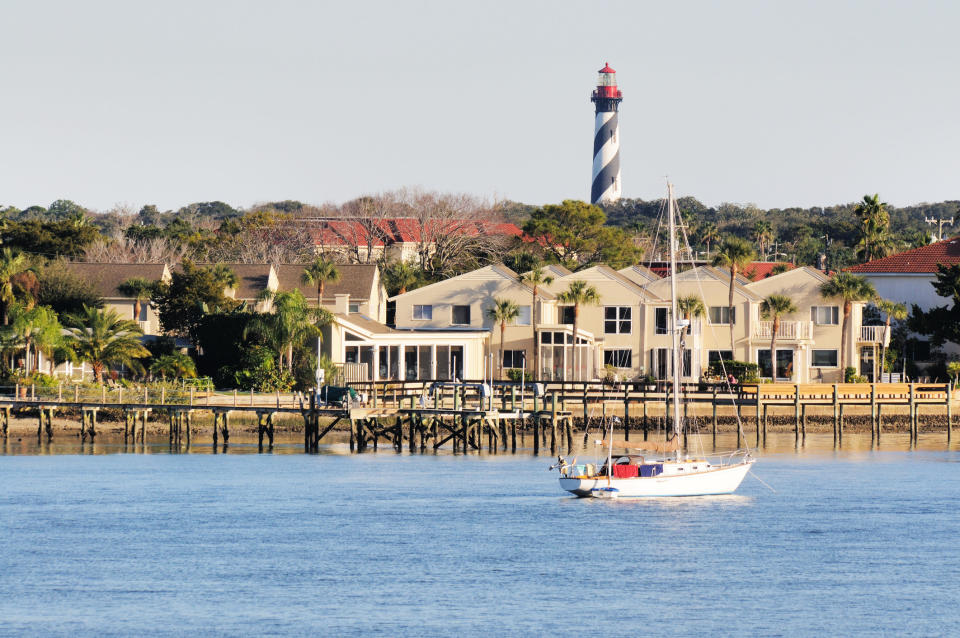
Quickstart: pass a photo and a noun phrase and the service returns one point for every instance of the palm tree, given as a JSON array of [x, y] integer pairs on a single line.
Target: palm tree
[[319, 273], [734, 254], [709, 233], [401, 276], [579, 294], [176, 364], [762, 234], [37, 328], [141, 289], [893, 310], [849, 288], [504, 311], [773, 308], [224, 276], [291, 323], [11, 264], [692, 308], [535, 278], [102, 338], [875, 227]]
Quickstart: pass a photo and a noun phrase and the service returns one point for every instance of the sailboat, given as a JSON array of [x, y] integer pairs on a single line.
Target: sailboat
[[670, 471]]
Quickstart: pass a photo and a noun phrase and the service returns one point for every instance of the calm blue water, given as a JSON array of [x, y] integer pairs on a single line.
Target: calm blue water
[[851, 543]]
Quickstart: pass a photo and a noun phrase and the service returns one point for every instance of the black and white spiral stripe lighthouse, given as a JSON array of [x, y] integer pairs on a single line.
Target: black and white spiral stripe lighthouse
[[606, 138]]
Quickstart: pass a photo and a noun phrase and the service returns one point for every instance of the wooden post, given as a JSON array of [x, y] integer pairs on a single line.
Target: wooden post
[[251, 396], [234, 397], [912, 416], [796, 413], [714, 423], [191, 403], [803, 422], [260, 432], [765, 409], [873, 408], [836, 413], [60, 391], [626, 411], [536, 426], [76, 393], [949, 413], [879, 420], [216, 425], [163, 395], [758, 415], [146, 395], [189, 424], [553, 425], [646, 420], [93, 424], [103, 394], [840, 423]]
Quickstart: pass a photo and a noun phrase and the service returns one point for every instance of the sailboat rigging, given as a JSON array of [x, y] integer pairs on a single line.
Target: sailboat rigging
[[632, 475]]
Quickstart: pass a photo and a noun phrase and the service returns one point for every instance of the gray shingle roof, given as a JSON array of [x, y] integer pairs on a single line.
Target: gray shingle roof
[[355, 280], [106, 277]]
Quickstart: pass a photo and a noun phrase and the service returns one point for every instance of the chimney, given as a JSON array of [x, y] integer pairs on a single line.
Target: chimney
[[342, 304]]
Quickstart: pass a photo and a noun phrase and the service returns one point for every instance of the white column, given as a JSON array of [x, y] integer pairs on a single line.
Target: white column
[[433, 361], [402, 365], [376, 363]]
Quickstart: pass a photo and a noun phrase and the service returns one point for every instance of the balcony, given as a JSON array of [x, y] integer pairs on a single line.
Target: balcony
[[875, 334], [789, 330]]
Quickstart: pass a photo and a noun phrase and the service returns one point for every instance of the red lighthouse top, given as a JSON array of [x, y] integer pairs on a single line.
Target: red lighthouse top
[[607, 84]]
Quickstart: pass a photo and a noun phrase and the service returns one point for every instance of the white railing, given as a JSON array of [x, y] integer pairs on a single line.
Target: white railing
[[787, 330], [875, 334], [145, 326]]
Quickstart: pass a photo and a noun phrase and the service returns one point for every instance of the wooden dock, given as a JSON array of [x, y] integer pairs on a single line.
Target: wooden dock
[[422, 416]]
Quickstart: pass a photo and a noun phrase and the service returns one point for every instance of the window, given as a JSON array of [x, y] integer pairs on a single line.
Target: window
[[566, 314], [523, 318], [514, 358], [660, 319], [714, 357], [825, 315], [720, 315], [784, 363], [618, 358], [824, 359], [353, 308], [423, 313], [461, 315], [617, 320]]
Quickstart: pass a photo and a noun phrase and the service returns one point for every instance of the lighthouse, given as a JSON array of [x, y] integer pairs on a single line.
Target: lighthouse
[[606, 138]]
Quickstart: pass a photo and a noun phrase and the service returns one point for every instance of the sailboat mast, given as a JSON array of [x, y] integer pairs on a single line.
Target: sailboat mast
[[677, 359]]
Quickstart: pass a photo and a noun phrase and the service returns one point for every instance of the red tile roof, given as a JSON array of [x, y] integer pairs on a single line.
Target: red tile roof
[[350, 232], [762, 269], [923, 259]]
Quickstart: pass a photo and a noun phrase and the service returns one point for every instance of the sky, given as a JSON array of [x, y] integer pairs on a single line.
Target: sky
[[773, 103]]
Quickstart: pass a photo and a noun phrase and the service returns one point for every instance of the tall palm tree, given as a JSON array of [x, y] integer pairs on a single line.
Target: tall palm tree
[[291, 323], [11, 264], [734, 254], [177, 364], [691, 306], [102, 338], [762, 234], [141, 289], [504, 311], [893, 310], [773, 308], [578, 293], [319, 273], [400, 276], [535, 278], [875, 227], [849, 288], [709, 233]]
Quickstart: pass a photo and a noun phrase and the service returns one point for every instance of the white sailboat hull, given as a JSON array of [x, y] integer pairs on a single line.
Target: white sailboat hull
[[717, 480]]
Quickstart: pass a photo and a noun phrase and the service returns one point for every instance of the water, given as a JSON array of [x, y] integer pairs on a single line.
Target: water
[[852, 542]]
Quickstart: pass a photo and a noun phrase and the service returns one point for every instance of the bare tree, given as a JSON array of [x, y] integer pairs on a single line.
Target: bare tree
[[118, 249]]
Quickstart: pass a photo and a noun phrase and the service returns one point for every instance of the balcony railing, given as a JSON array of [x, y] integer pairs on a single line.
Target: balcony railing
[[875, 334], [789, 330]]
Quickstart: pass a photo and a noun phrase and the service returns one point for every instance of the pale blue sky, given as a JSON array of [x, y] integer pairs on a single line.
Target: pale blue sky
[[776, 103]]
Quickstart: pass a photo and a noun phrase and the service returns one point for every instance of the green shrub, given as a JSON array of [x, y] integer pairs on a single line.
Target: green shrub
[[514, 375], [849, 374], [743, 371]]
